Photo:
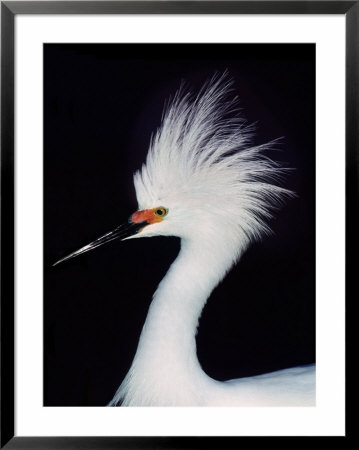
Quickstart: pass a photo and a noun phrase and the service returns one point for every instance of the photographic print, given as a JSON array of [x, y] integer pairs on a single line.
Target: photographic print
[[208, 151]]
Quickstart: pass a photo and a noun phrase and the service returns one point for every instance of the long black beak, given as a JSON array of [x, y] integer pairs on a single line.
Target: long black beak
[[121, 232]]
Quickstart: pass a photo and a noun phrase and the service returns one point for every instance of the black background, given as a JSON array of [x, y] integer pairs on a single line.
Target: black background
[[101, 104]]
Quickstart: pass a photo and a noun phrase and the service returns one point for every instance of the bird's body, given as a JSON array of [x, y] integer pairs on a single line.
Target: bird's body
[[204, 182]]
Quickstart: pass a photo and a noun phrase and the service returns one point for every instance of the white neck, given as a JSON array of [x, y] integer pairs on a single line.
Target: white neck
[[165, 370]]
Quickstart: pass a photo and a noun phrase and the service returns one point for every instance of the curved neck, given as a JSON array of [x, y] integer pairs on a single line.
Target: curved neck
[[183, 292], [165, 369]]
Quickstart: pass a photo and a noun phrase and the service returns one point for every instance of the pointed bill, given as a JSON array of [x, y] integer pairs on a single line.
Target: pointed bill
[[121, 232]]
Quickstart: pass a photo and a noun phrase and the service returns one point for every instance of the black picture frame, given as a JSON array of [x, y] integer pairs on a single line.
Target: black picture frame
[[9, 10]]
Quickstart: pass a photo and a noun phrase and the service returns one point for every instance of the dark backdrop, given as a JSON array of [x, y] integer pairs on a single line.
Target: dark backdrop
[[101, 104]]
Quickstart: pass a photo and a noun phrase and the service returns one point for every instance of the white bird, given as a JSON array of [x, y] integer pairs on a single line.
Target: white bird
[[204, 182]]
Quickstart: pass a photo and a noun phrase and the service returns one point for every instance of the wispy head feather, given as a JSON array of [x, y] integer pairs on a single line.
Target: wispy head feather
[[202, 157]]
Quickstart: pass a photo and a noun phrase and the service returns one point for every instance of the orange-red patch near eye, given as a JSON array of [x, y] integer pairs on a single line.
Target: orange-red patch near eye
[[146, 215]]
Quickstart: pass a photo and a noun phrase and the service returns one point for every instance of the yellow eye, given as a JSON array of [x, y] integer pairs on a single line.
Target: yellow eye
[[161, 211]]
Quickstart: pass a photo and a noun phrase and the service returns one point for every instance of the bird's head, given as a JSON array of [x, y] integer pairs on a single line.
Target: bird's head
[[202, 179]]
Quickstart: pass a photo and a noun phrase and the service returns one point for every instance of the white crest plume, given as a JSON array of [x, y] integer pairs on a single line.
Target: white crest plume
[[201, 156]]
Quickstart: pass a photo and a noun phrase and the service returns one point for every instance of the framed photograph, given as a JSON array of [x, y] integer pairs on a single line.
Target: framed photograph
[[225, 132]]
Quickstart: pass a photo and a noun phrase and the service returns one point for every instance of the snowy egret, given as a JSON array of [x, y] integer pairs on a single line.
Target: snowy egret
[[205, 182]]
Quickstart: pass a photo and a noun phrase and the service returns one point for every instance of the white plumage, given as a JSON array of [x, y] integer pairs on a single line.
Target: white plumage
[[219, 194], [204, 182]]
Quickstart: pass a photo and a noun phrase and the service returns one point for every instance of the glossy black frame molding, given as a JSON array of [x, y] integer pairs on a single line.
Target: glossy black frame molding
[[8, 11]]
